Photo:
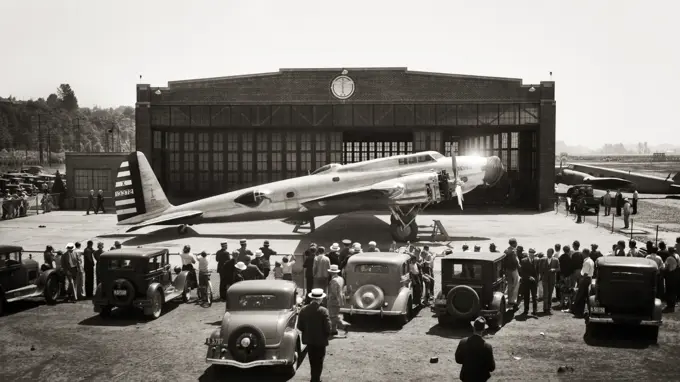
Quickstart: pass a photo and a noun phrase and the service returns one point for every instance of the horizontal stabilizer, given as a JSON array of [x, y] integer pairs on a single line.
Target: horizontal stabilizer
[[168, 219]]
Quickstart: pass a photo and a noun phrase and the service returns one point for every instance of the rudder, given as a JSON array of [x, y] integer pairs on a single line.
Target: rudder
[[137, 190]]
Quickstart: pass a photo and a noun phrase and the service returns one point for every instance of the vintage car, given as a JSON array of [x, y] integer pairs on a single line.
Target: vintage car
[[259, 327], [140, 278], [624, 293], [472, 285], [20, 278], [378, 283], [583, 198]]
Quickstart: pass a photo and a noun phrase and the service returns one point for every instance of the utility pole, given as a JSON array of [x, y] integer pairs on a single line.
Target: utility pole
[[77, 135]]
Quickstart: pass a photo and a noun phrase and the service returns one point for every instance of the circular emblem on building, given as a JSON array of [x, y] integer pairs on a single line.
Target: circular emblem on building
[[342, 87]]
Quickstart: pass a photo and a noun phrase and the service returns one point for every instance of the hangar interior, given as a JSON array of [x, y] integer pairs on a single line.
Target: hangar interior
[[205, 137]]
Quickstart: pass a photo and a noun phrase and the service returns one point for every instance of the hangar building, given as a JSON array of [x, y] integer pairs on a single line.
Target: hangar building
[[207, 136]]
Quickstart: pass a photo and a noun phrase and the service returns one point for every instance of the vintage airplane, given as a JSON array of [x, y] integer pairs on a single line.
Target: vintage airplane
[[609, 179], [404, 184]]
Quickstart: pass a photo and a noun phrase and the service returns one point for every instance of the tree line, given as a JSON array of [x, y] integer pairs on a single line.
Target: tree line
[[57, 123]]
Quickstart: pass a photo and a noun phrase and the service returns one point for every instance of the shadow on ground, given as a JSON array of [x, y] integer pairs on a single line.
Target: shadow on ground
[[458, 330], [121, 317], [22, 306], [261, 373], [620, 336]]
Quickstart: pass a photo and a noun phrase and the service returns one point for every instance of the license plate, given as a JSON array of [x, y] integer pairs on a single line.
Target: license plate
[[120, 293], [213, 341], [597, 309]]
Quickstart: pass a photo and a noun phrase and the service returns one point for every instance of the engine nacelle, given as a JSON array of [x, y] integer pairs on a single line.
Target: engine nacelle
[[416, 188]]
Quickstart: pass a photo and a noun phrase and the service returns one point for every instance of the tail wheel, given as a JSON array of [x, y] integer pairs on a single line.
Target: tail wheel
[[51, 290]]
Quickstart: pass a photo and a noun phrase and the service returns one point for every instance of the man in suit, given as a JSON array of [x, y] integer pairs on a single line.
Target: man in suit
[[252, 272], [315, 324], [547, 273], [475, 355], [528, 270]]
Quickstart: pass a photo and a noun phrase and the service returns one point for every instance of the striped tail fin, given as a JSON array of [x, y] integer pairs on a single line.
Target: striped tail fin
[[137, 191]]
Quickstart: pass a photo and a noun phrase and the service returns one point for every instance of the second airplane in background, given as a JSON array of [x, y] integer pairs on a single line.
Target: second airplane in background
[[403, 184]]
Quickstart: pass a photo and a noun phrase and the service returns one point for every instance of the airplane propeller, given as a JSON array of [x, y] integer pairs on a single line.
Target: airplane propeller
[[458, 190]]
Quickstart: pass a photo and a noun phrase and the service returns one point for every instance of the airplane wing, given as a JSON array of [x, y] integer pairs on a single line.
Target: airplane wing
[[167, 219], [378, 191], [607, 183]]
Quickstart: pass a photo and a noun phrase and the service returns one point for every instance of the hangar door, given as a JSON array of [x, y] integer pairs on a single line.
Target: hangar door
[[359, 147]]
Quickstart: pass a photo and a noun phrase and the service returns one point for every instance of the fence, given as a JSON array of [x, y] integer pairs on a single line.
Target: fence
[[630, 232], [31, 205]]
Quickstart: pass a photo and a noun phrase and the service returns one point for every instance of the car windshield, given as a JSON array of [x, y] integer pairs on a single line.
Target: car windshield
[[121, 264], [467, 271], [7, 259], [258, 302], [372, 268]]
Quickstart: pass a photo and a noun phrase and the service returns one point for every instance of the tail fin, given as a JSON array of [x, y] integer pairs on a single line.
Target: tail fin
[[137, 190], [676, 178]]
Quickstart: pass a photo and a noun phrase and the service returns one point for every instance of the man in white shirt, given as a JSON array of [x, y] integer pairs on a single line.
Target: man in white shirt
[[203, 273], [671, 282], [587, 271]]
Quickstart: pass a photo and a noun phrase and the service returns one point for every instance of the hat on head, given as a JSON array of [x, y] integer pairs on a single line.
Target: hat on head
[[223, 243], [317, 294], [531, 250], [243, 241], [356, 245], [356, 250], [313, 245], [266, 242], [259, 254], [334, 269], [477, 247], [240, 266], [117, 243], [347, 242], [372, 243], [335, 247], [321, 249], [69, 245], [479, 324]]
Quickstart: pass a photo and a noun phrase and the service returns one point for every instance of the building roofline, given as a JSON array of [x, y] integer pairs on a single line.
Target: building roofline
[[339, 70]]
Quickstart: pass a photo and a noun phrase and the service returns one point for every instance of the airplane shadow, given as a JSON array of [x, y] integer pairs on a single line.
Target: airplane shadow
[[357, 227]]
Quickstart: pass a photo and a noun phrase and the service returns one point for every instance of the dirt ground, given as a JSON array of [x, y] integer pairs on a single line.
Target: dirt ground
[[69, 342]]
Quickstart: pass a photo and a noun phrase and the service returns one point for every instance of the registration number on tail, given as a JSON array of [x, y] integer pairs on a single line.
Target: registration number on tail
[[597, 309], [213, 341], [120, 293]]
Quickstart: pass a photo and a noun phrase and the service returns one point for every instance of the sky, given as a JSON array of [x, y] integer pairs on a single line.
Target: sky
[[615, 63]]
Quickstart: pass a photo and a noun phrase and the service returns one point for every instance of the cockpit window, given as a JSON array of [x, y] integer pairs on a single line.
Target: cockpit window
[[417, 159], [322, 169], [436, 156]]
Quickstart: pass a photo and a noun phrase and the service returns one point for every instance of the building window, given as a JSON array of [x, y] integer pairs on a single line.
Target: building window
[[305, 142], [504, 140], [496, 138], [305, 162], [92, 179], [514, 158], [336, 150], [514, 140], [189, 168], [218, 159], [420, 139], [528, 114], [247, 158], [232, 162], [291, 142], [247, 144], [534, 164], [509, 114], [504, 158], [204, 161], [262, 142], [277, 159], [157, 140], [232, 142], [436, 141], [175, 160], [291, 162], [262, 157], [232, 180]]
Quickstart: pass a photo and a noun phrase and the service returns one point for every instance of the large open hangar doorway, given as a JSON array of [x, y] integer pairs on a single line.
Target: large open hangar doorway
[[208, 136]]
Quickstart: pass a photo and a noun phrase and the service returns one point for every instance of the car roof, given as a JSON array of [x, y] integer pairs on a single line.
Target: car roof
[[478, 256], [10, 248], [134, 252], [623, 261], [379, 257], [263, 286]]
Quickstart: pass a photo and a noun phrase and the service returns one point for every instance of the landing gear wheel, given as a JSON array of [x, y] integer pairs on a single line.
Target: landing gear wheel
[[156, 305], [182, 230], [404, 234]]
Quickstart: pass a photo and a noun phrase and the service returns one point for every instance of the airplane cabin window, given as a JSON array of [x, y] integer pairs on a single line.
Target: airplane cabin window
[[336, 179], [412, 160], [290, 194]]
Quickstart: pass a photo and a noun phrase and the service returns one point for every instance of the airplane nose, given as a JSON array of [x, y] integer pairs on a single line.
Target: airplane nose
[[493, 171]]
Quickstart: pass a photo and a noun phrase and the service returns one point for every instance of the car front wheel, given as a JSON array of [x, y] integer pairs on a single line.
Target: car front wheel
[[156, 304], [51, 291]]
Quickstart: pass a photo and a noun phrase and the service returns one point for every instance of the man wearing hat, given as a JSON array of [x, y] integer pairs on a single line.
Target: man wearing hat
[[475, 355], [336, 298], [222, 256], [548, 269], [478, 248], [334, 255], [511, 270], [492, 248], [626, 212], [372, 247], [117, 245], [308, 266], [98, 267], [315, 324], [265, 261], [345, 252], [243, 251], [88, 257], [528, 271], [238, 270], [69, 264]]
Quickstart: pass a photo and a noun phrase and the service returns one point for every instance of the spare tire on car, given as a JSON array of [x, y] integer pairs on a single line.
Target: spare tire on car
[[246, 344], [463, 303], [122, 292]]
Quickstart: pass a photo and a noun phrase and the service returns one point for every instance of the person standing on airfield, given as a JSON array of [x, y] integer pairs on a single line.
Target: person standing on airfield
[[222, 256], [315, 324]]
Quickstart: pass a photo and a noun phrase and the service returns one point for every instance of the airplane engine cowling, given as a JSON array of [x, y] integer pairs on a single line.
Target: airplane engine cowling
[[414, 188]]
